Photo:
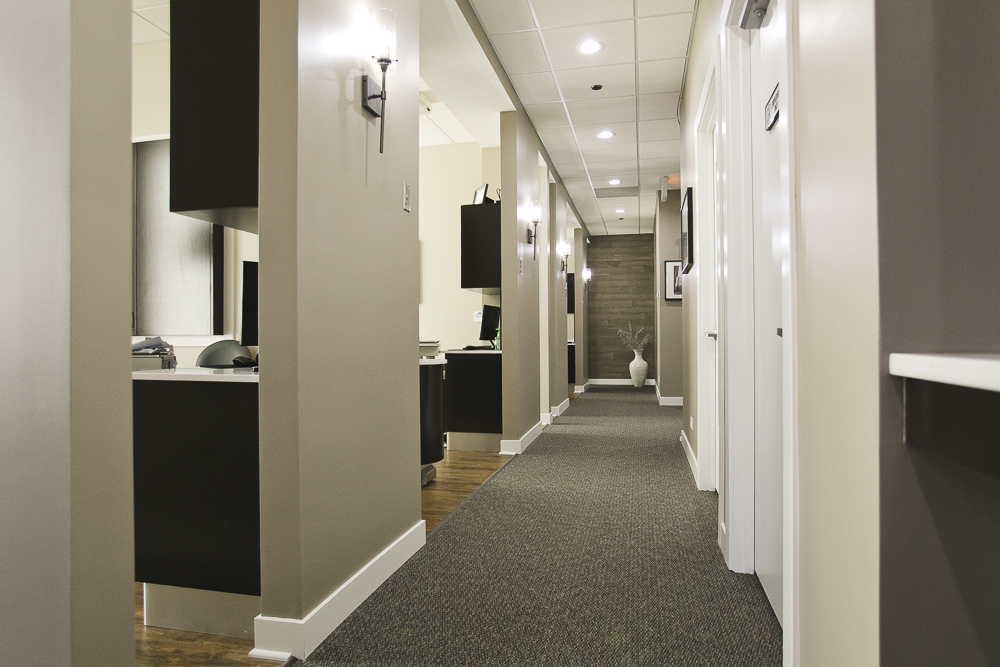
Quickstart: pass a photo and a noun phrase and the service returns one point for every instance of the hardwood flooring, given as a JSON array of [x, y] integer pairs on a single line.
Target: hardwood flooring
[[458, 475]]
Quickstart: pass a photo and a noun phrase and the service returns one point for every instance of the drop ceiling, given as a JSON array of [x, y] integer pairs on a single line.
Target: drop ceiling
[[640, 71]]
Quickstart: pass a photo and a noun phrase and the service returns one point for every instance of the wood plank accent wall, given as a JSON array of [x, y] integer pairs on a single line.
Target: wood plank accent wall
[[621, 290]]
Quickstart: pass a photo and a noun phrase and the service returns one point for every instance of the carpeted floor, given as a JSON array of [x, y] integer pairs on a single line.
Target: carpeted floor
[[592, 548]]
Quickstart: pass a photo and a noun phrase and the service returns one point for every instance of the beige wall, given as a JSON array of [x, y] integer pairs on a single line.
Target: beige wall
[[339, 480], [558, 361], [519, 276], [151, 89], [582, 291], [66, 594], [669, 375], [449, 174]]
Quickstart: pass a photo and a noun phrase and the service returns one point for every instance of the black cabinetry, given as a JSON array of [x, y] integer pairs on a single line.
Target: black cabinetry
[[570, 293], [481, 248], [214, 110], [473, 394]]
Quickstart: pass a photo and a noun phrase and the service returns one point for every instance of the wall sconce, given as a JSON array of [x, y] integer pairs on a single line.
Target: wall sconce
[[536, 219], [562, 249], [384, 45], [586, 273]]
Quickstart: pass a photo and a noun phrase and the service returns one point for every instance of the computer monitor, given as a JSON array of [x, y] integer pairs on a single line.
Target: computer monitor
[[249, 311], [480, 196], [491, 322]]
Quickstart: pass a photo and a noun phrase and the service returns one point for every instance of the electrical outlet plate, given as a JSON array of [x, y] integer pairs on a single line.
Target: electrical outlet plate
[[477, 317], [406, 197]]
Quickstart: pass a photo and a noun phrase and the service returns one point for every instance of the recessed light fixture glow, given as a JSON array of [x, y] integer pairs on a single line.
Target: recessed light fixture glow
[[605, 134], [619, 210], [615, 181], [589, 46]]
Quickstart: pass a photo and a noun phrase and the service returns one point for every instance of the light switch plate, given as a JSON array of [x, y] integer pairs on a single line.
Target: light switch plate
[[477, 317], [406, 197]]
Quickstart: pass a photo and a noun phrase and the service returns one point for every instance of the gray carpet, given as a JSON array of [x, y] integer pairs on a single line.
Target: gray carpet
[[592, 548]]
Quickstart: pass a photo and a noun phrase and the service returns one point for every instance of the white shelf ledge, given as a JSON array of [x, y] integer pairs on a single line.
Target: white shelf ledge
[[978, 371]]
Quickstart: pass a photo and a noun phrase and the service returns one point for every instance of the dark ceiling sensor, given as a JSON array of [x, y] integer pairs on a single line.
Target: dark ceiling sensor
[[596, 86]]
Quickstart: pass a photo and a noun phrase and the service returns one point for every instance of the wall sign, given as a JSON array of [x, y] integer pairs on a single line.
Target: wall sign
[[771, 110]]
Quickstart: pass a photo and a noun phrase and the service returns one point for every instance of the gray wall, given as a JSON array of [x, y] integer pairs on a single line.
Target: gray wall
[[558, 360], [582, 290], [66, 592], [939, 245], [621, 291], [339, 406], [669, 375]]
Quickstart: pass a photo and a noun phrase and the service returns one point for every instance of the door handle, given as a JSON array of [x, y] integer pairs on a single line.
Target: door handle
[[713, 334]]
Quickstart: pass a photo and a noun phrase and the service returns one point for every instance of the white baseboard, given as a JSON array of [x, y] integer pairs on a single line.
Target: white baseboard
[[619, 382], [546, 418], [692, 459], [275, 637], [511, 447], [262, 654], [557, 410], [676, 401], [580, 388]]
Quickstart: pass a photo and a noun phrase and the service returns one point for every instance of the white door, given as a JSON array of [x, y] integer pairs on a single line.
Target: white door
[[771, 234]]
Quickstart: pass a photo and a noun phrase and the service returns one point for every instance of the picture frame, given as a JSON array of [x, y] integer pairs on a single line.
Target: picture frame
[[687, 231], [672, 279]]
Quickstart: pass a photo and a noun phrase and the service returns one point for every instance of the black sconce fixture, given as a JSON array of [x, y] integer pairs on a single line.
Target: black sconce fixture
[[536, 219], [384, 43]]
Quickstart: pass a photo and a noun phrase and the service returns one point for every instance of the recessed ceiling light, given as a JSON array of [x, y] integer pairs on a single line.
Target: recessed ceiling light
[[605, 134], [615, 181], [619, 210], [589, 46]]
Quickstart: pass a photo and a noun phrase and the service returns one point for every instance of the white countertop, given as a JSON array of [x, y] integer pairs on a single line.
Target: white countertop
[[199, 375], [433, 361], [978, 371], [473, 351]]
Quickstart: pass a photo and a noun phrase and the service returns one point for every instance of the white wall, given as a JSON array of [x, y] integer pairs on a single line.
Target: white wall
[[449, 175], [151, 89]]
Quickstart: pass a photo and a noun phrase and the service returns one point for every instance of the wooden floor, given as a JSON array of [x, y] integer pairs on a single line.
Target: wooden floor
[[458, 475]]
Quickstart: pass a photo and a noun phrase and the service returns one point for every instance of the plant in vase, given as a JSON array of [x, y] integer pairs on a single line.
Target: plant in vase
[[638, 368]]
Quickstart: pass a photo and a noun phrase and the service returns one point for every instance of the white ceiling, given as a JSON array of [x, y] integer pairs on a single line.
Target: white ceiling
[[150, 21], [438, 125], [641, 68]]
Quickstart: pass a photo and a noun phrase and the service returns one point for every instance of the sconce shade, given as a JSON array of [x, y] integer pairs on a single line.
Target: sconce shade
[[384, 24]]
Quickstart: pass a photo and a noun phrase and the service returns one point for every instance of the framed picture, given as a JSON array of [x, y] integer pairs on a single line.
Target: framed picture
[[672, 280], [687, 231]]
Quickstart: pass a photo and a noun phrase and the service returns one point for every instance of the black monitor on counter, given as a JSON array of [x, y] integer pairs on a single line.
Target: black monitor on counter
[[491, 322]]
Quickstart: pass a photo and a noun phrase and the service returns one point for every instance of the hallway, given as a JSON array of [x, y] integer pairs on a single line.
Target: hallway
[[592, 548]]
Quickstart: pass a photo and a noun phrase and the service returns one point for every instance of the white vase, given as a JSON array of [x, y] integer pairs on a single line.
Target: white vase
[[637, 369]]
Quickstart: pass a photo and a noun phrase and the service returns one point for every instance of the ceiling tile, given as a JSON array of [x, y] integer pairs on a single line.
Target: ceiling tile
[[661, 166], [558, 138], [504, 17], [587, 134], [659, 130], [616, 81], [521, 52], [563, 155], [664, 36], [657, 7], [651, 179], [618, 39], [553, 13], [657, 107], [627, 180], [431, 134], [594, 112], [535, 88], [552, 114], [144, 31], [608, 152], [604, 171], [158, 16], [658, 149], [661, 76]]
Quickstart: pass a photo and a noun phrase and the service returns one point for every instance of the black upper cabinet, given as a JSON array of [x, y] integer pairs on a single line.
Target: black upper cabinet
[[481, 248], [214, 110]]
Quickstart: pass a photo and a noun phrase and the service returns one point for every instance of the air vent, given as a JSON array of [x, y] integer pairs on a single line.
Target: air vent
[[604, 193]]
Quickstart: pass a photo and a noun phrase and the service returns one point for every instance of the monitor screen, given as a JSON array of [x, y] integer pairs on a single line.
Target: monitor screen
[[491, 322], [249, 311], [480, 196]]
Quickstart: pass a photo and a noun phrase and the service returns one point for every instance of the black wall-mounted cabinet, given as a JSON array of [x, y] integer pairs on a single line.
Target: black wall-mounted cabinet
[[481, 248], [214, 110], [570, 293]]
